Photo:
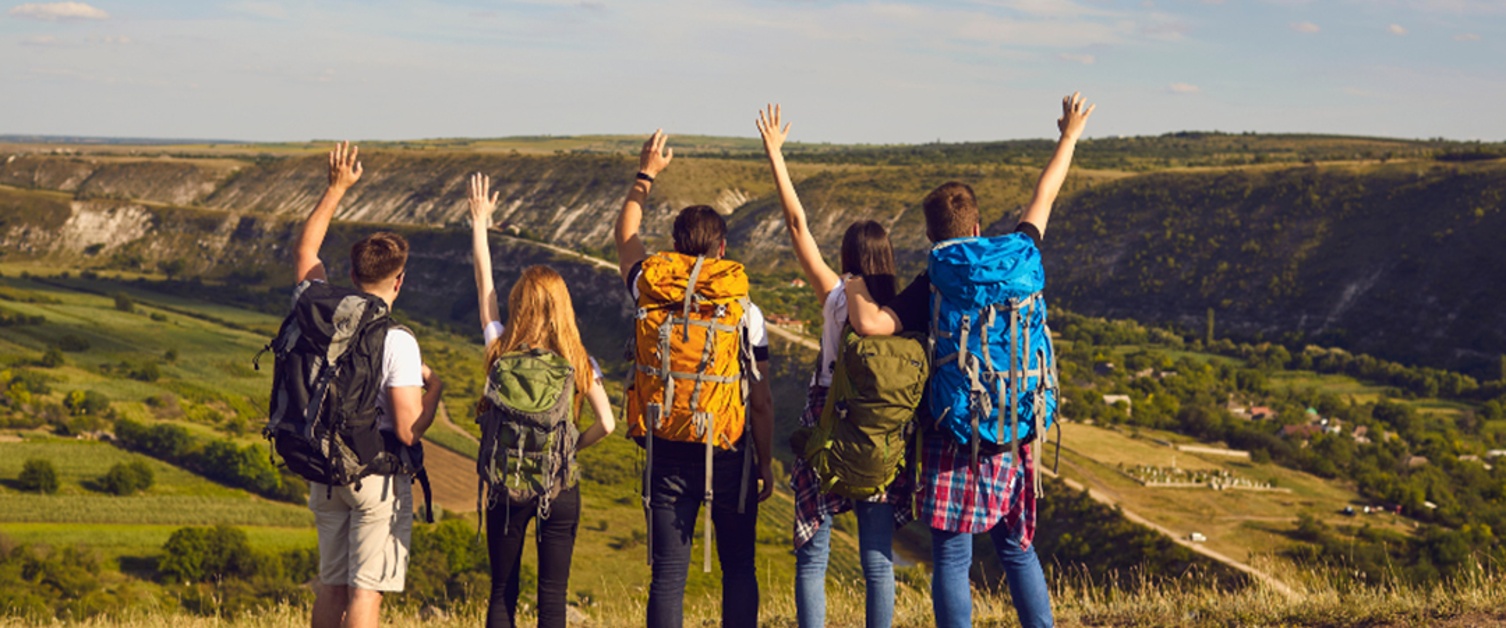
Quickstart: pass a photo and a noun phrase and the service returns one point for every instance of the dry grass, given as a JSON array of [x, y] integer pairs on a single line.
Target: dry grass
[[1472, 602]]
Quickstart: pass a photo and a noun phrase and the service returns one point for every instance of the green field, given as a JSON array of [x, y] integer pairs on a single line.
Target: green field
[[212, 342], [1238, 523]]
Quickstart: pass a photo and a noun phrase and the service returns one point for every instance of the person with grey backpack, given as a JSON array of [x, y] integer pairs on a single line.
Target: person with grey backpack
[[538, 379]]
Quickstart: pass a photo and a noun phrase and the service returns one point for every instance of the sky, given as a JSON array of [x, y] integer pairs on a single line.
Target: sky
[[895, 71]]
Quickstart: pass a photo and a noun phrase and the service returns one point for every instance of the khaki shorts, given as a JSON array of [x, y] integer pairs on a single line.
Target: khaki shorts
[[364, 534]]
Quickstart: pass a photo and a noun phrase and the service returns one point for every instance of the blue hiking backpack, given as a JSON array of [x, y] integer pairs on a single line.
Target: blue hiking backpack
[[993, 369]]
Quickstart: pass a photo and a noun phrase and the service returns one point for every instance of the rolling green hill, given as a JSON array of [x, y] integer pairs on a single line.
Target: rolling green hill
[[1369, 244]]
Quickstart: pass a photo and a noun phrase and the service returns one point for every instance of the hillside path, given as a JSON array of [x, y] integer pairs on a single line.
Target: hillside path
[[799, 339], [452, 476], [1108, 500]]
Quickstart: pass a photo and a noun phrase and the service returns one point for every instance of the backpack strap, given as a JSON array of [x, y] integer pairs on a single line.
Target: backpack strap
[[690, 294]]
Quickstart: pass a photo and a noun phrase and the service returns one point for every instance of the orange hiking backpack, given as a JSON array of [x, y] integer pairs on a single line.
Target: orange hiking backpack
[[692, 359]]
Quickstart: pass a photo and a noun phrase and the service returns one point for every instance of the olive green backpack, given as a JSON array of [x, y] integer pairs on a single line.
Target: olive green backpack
[[528, 435], [858, 445]]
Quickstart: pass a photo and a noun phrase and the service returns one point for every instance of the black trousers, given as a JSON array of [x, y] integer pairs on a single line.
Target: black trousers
[[506, 531], [678, 487]]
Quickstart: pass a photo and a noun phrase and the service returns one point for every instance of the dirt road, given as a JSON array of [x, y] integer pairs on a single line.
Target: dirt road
[[1106, 499], [452, 476]]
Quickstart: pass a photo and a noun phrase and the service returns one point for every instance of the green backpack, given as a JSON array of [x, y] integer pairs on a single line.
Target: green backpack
[[528, 434], [858, 445]]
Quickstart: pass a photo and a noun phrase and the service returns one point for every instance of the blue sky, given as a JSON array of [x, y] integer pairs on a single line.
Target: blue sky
[[846, 71]]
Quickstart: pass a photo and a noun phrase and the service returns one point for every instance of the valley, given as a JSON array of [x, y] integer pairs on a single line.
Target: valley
[[149, 276]]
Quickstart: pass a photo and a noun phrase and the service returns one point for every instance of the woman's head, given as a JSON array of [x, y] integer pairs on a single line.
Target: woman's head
[[866, 252], [541, 315]]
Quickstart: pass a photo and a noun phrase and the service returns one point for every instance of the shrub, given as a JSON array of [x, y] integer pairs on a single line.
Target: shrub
[[126, 478], [86, 402], [144, 371], [199, 554], [38, 476], [124, 302], [53, 358], [72, 343]]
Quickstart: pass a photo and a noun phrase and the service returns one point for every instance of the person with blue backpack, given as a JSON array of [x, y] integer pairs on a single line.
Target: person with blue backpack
[[992, 391], [866, 253]]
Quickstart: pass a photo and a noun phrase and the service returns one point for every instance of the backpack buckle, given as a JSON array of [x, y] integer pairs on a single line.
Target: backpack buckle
[[653, 415]]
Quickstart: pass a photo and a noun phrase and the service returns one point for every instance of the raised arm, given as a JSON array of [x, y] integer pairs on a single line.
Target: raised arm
[[1075, 112], [482, 203], [821, 277], [651, 161], [344, 171]]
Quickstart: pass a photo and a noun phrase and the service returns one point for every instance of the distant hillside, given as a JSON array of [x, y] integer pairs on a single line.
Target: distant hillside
[[1378, 245], [1401, 261]]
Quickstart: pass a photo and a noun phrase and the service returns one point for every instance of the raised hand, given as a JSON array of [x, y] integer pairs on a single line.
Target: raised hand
[[482, 200], [654, 157], [768, 127], [344, 168], [1075, 112]]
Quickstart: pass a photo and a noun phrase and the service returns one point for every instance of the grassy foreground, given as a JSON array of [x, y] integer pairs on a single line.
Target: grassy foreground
[[1479, 601]]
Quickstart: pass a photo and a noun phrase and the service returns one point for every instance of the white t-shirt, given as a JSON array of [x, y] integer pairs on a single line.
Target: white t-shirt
[[402, 365], [833, 319]]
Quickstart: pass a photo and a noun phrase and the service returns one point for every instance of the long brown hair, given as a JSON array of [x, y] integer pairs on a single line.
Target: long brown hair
[[541, 315], [866, 252]]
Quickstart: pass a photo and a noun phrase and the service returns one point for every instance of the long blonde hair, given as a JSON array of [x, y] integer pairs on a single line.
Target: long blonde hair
[[541, 315]]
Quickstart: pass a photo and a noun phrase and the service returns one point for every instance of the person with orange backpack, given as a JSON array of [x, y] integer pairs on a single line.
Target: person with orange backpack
[[699, 403]]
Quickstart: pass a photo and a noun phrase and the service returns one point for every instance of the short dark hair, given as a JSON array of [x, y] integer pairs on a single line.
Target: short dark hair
[[951, 211], [866, 252], [699, 230], [381, 255]]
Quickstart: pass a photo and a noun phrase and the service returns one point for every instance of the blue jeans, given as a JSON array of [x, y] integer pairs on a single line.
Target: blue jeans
[[951, 595], [876, 549]]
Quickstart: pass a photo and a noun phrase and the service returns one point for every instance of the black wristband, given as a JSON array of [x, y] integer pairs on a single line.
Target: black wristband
[[643, 176]]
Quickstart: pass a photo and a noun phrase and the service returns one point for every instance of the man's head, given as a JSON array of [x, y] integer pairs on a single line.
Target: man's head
[[377, 262], [951, 212], [699, 230]]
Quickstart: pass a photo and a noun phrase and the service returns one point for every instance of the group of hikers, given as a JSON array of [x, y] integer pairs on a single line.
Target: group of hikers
[[924, 403]]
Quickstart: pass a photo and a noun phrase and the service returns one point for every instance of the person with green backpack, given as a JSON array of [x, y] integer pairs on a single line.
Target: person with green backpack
[[538, 378], [850, 449]]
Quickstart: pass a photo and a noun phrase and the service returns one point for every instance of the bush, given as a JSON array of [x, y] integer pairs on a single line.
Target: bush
[[144, 372], [126, 478], [86, 402], [53, 358], [72, 343], [124, 302], [39, 476], [200, 554]]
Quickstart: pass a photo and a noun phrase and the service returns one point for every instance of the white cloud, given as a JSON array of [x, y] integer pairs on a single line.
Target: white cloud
[[1466, 37], [53, 11], [1085, 59], [1184, 88], [114, 40], [41, 40], [1396, 29], [269, 10], [1305, 27]]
